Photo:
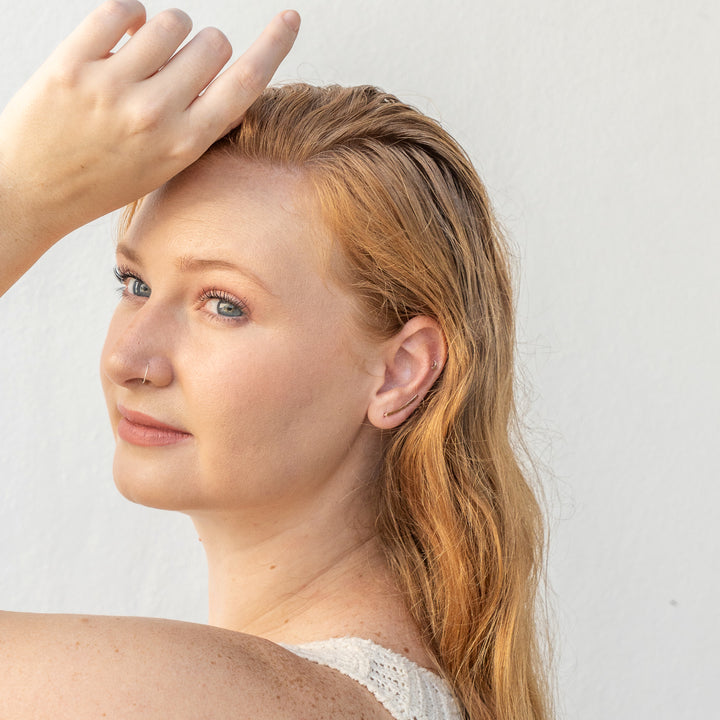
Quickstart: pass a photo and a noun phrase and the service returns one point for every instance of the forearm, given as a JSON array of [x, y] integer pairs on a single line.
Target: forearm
[[24, 235]]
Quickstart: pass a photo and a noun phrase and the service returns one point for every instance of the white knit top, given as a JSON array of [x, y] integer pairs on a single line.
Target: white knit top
[[407, 691]]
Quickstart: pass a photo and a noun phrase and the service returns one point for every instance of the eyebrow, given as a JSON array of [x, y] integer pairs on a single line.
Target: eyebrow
[[188, 263]]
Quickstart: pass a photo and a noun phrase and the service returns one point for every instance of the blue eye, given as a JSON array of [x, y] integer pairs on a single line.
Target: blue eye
[[229, 309], [130, 284], [223, 306], [138, 287]]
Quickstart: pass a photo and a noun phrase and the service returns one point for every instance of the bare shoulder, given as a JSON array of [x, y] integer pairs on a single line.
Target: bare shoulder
[[81, 667]]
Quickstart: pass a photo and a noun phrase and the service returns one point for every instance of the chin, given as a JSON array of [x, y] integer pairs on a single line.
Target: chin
[[147, 484]]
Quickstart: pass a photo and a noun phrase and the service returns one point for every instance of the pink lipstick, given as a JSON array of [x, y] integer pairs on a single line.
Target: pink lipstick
[[137, 428]]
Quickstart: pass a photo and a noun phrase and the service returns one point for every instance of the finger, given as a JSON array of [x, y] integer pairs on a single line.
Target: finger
[[103, 29], [152, 45], [193, 68], [223, 104]]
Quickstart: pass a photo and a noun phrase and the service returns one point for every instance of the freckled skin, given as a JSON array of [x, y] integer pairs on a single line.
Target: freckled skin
[[159, 662], [253, 393]]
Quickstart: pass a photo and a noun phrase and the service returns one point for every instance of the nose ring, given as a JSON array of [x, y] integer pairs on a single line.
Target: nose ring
[[147, 367]]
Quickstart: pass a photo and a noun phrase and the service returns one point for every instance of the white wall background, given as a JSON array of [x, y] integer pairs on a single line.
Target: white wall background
[[596, 126]]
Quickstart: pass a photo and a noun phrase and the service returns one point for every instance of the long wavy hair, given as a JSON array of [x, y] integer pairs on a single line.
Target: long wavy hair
[[459, 522]]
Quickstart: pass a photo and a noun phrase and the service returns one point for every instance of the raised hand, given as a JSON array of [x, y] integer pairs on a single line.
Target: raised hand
[[93, 130]]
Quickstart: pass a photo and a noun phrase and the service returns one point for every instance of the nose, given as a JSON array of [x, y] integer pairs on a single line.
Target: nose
[[138, 347]]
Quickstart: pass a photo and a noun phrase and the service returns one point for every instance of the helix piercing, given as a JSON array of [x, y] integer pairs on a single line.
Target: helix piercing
[[434, 365], [402, 407], [147, 367]]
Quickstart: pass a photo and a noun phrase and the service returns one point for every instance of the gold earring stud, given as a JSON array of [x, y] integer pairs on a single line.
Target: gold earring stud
[[402, 407]]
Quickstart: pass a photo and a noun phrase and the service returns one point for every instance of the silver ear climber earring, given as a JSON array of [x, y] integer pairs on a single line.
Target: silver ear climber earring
[[402, 407], [147, 367]]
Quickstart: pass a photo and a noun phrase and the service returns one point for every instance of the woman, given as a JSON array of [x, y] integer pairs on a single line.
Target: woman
[[313, 358]]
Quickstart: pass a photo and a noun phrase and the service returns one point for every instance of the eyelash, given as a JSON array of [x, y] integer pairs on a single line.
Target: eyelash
[[222, 296], [123, 274]]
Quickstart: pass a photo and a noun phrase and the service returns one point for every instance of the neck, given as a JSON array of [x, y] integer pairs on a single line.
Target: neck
[[297, 585], [321, 575], [302, 571]]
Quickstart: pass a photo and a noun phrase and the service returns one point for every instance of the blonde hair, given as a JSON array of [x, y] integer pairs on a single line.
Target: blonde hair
[[460, 524]]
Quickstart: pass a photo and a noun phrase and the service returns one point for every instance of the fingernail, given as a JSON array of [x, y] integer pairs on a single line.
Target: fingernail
[[292, 20]]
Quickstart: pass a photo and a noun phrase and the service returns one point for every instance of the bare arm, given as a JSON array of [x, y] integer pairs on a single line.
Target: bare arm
[[92, 131], [82, 668]]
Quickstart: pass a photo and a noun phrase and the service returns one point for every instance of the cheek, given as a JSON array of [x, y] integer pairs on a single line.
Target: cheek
[[277, 412], [253, 390]]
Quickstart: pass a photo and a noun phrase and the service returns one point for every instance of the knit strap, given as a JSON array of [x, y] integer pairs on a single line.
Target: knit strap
[[406, 690]]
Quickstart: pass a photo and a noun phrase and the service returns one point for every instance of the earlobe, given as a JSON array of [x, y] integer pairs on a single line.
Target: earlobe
[[387, 413], [413, 360]]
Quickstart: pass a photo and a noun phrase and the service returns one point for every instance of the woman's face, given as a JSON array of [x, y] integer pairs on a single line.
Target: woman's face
[[229, 333]]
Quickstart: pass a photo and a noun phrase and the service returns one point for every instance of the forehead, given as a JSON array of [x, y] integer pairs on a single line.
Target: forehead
[[246, 211], [219, 180], [263, 219]]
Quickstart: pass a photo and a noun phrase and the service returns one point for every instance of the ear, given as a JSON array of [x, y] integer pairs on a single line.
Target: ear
[[413, 359]]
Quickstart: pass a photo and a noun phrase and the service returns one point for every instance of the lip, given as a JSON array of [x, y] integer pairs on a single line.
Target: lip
[[138, 428]]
